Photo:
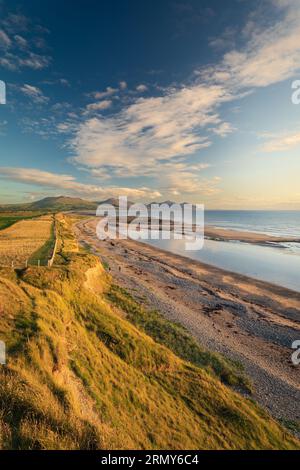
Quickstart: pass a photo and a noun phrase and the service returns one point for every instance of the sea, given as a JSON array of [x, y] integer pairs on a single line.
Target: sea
[[276, 223], [278, 265]]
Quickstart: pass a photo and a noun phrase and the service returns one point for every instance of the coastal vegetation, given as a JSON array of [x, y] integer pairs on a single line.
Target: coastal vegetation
[[86, 369]]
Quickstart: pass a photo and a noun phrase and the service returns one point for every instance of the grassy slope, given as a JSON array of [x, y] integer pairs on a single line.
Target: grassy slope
[[177, 338], [80, 375]]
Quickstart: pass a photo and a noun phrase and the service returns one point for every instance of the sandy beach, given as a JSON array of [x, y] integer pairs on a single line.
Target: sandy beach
[[216, 233], [247, 320]]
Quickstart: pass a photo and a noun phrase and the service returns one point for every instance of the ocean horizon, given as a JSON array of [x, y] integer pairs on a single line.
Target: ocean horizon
[[279, 223]]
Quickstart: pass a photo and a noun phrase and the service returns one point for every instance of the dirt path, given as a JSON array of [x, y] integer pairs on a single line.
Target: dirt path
[[247, 320]]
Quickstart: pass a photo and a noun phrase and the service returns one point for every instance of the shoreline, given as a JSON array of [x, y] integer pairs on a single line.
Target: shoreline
[[220, 234], [247, 320], [215, 233]]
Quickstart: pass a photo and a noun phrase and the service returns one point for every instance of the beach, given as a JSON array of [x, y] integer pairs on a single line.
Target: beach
[[249, 321], [216, 233]]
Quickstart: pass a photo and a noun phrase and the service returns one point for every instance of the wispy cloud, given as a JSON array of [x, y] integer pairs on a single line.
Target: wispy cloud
[[148, 133], [98, 95], [5, 42], [225, 40], [68, 184], [21, 42], [158, 137], [280, 143], [17, 50], [224, 129], [109, 92], [141, 88], [271, 55], [150, 129], [34, 93], [16, 22], [187, 181], [123, 85], [99, 106]]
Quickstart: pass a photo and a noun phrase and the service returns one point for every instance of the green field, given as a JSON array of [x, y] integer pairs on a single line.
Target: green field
[[9, 218]]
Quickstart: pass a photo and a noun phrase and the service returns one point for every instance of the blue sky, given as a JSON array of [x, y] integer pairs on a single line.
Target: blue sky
[[183, 100]]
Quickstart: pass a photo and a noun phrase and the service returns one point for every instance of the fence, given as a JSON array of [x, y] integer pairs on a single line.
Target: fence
[[50, 261]]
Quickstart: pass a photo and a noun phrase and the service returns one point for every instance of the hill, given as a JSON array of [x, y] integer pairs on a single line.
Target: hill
[[62, 203], [81, 373], [115, 202], [65, 203], [52, 204]]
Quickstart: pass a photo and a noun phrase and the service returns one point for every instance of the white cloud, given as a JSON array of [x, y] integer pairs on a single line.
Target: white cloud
[[5, 41], [99, 106], [31, 60], [141, 88], [16, 22], [147, 134], [21, 42], [18, 51], [123, 85], [188, 182], [224, 129], [109, 91], [68, 184], [34, 61], [64, 81], [34, 93], [98, 95], [150, 130], [271, 55], [282, 142], [8, 62], [63, 127]]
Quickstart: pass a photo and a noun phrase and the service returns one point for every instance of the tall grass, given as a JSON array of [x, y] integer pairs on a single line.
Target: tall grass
[[81, 376], [20, 241], [177, 338]]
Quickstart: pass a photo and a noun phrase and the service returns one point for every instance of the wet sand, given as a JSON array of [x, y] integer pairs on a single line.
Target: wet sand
[[220, 234], [247, 320], [215, 233]]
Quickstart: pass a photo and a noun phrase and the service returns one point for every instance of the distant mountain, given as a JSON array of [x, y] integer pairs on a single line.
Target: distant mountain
[[52, 204], [115, 202], [62, 203], [170, 203], [65, 203]]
